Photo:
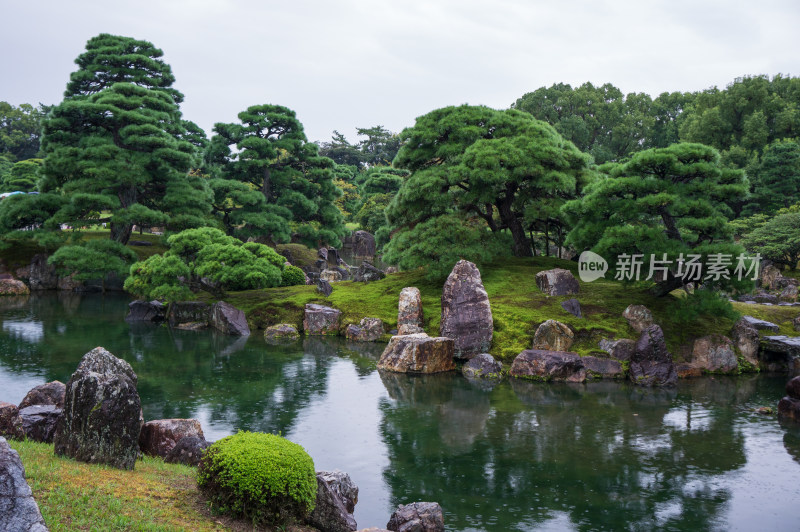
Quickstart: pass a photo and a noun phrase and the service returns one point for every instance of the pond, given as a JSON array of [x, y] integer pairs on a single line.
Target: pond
[[515, 456]]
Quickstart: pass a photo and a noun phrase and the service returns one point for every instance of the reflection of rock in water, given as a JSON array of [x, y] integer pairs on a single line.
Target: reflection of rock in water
[[364, 349], [539, 393], [463, 418], [723, 389], [320, 346], [69, 300], [430, 389], [14, 302], [791, 440], [227, 345]]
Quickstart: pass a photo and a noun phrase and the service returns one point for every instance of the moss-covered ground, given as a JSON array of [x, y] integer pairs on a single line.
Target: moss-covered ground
[[518, 307]]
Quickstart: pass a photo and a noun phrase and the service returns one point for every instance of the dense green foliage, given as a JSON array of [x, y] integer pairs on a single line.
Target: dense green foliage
[[22, 176], [20, 129], [261, 477], [292, 275], [777, 240], [94, 259], [119, 141], [379, 148], [666, 201], [206, 259], [272, 156]]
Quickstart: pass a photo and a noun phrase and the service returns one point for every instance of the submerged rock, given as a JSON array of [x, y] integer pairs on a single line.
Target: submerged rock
[[417, 517], [557, 282], [553, 335], [482, 366], [789, 406], [418, 353], [409, 311], [281, 331], [538, 364], [319, 319], [466, 312], [51, 393], [18, 509], [158, 437], [102, 410], [651, 363], [337, 496]]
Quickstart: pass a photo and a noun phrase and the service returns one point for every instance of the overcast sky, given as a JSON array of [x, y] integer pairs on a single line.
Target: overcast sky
[[359, 63]]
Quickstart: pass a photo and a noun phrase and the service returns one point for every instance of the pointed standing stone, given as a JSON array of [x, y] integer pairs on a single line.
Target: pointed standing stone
[[466, 313]]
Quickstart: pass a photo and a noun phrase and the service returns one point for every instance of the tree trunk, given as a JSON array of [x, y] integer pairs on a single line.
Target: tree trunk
[[521, 246], [121, 232], [546, 239], [670, 225], [665, 287], [266, 188]]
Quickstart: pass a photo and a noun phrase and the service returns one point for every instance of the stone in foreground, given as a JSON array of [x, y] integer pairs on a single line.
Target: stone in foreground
[[18, 509], [466, 312], [102, 410], [557, 282], [187, 451], [553, 335], [715, 354], [39, 422], [651, 363], [159, 436], [337, 496], [369, 330], [409, 311], [418, 353], [417, 517], [51, 393], [538, 364], [482, 366], [319, 319], [228, 319]]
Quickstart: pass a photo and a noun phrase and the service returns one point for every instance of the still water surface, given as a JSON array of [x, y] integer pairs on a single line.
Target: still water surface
[[516, 456]]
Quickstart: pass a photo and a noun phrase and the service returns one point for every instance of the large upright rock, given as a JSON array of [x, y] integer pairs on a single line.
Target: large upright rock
[[541, 365], [337, 496], [746, 339], [368, 273], [557, 282], [553, 335], [638, 317], [409, 311], [159, 436], [466, 313], [51, 393], [418, 353], [319, 319], [770, 277], [102, 410], [714, 353], [18, 509], [42, 276], [620, 349], [228, 319], [651, 363], [417, 517], [363, 245]]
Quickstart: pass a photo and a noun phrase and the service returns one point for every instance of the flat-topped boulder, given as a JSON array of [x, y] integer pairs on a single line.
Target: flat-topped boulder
[[557, 282], [418, 353], [18, 509], [149, 311], [409, 311], [553, 335], [602, 368], [715, 354], [321, 320], [651, 362], [788, 345], [368, 330], [102, 410], [466, 312], [539, 364], [158, 437], [761, 325]]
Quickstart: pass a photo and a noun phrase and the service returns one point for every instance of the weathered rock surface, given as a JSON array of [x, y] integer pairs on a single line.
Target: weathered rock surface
[[639, 317], [789, 406], [789, 293], [770, 277], [18, 509], [102, 410], [417, 517], [228, 319], [761, 325], [281, 331], [481, 366], [363, 245], [368, 330], [153, 311], [714, 353], [181, 312], [13, 287], [796, 323], [39, 422], [620, 349], [544, 365], [368, 273], [187, 451], [746, 339], [51, 393], [409, 311], [330, 275], [418, 353], [602, 368], [780, 353], [324, 287], [466, 312], [319, 319], [10, 423], [651, 363], [158, 437], [40, 275], [553, 335], [337, 496], [687, 370], [557, 282], [573, 306]]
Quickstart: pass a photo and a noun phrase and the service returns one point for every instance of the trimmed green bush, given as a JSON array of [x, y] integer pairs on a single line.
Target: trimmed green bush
[[261, 477], [292, 275]]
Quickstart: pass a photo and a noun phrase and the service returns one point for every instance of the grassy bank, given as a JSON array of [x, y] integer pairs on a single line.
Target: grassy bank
[[518, 307]]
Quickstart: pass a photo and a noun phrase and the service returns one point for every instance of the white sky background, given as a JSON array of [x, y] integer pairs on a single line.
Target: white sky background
[[359, 63]]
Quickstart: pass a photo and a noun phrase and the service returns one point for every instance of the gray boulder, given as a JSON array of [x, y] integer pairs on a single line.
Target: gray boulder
[[331, 275], [620, 349], [158, 437], [102, 412], [417, 517], [466, 312], [651, 363], [228, 319], [638, 317], [187, 451], [10, 423], [418, 353], [409, 311], [541, 365], [770, 277], [789, 406], [42, 276], [602, 368], [482, 365], [368, 330], [746, 339], [337, 496], [573, 306], [553, 335], [363, 245], [322, 320], [368, 273], [281, 331], [152, 311], [761, 325], [714, 353], [324, 287], [557, 282], [18, 509], [51, 393], [39, 422]]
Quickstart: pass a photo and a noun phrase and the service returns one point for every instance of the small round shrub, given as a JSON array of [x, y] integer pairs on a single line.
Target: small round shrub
[[261, 477], [292, 275]]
